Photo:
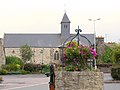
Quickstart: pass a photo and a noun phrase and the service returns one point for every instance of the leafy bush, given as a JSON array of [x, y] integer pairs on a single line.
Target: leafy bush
[[29, 67], [6, 67], [117, 53], [11, 67], [1, 79], [70, 68], [14, 67], [45, 68], [13, 60], [18, 72], [3, 72], [77, 55], [24, 72], [32, 67], [107, 56], [115, 72], [37, 67]]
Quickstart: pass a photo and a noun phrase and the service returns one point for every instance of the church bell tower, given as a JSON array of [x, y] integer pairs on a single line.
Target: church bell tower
[[65, 28]]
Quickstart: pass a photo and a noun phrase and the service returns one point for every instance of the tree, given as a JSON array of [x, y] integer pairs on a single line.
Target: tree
[[117, 53], [26, 53], [107, 56]]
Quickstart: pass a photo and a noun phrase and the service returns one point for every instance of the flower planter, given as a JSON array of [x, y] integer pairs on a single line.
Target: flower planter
[[85, 80]]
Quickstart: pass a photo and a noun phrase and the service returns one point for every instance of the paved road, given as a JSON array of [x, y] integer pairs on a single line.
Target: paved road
[[31, 87], [40, 82], [112, 86], [25, 82], [108, 85]]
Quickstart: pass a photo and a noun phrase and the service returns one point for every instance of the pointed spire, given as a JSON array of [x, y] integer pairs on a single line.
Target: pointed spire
[[65, 19]]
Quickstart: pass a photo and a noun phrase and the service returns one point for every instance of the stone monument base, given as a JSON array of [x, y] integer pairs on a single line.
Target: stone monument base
[[85, 80]]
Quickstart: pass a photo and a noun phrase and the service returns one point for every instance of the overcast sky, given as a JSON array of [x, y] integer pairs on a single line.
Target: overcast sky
[[44, 16]]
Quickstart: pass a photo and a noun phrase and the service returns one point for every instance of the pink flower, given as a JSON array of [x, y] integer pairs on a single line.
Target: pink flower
[[79, 47], [93, 52]]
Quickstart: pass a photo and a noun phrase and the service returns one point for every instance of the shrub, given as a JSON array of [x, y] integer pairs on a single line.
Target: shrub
[[24, 72], [115, 72], [70, 68], [117, 53], [18, 72], [45, 68], [6, 67], [107, 56], [29, 67], [77, 55], [1, 79], [3, 72], [14, 67], [37, 67], [11, 67], [13, 60]]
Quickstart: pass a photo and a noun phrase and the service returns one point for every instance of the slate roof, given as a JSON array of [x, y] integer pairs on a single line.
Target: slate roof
[[33, 40], [65, 19], [84, 41], [39, 40]]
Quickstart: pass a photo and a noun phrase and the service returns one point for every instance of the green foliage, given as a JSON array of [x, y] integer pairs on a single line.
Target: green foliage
[[6, 67], [13, 60], [14, 67], [107, 56], [117, 53], [37, 67], [26, 53], [24, 72], [3, 72], [18, 72], [45, 68], [33, 67], [1, 79], [11, 67], [115, 72], [70, 68], [29, 67]]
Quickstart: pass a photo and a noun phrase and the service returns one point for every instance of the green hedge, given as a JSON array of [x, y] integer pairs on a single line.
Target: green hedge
[[3, 72], [18, 72], [29, 67], [115, 73], [13, 60], [11, 67]]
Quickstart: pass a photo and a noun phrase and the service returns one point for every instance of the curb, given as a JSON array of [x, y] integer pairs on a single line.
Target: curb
[[112, 81]]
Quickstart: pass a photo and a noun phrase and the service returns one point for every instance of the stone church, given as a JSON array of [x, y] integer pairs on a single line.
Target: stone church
[[45, 47]]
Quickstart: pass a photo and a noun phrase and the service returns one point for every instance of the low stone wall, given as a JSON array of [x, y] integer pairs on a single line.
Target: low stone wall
[[106, 68], [79, 80]]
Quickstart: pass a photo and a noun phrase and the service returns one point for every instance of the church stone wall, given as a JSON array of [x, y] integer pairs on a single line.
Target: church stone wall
[[40, 55], [2, 55]]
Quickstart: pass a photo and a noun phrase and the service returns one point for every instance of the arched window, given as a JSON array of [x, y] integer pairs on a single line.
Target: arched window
[[56, 55]]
